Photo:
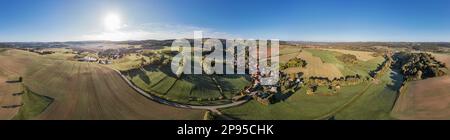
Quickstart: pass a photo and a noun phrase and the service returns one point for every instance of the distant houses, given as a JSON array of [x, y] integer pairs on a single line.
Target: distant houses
[[88, 59], [93, 59], [104, 62]]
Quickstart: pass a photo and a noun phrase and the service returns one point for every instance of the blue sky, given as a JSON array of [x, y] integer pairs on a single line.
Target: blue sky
[[303, 20]]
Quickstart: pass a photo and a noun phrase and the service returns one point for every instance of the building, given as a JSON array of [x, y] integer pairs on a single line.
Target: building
[[88, 59]]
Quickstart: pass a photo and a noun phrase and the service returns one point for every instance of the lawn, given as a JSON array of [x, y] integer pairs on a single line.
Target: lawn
[[232, 84], [33, 105], [180, 92], [377, 102]]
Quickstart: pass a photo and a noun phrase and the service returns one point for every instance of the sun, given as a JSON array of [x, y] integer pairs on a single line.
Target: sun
[[112, 22]]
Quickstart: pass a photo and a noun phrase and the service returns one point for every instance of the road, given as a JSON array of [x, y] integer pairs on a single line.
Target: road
[[213, 108]]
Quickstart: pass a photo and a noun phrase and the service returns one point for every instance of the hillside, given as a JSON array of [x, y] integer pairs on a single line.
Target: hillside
[[85, 91]]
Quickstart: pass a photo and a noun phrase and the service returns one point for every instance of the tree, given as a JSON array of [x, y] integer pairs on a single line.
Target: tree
[[419, 75]]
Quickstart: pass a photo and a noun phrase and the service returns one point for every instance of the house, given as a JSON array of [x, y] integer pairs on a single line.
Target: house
[[88, 59], [104, 62], [263, 97]]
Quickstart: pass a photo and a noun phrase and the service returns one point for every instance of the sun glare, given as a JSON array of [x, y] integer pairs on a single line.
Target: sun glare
[[112, 22]]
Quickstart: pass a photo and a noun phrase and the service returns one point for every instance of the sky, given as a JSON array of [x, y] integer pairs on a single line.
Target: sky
[[296, 20]]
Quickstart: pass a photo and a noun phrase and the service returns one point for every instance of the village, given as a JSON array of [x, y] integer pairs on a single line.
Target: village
[[290, 83]]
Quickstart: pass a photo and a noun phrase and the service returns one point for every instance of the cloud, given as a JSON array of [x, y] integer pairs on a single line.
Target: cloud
[[154, 31]]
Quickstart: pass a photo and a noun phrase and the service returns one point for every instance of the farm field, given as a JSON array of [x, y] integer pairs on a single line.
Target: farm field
[[85, 90], [32, 105], [376, 103], [443, 58], [361, 55], [422, 102], [7, 98], [324, 62], [361, 68], [317, 67], [188, 89], [128, 62]]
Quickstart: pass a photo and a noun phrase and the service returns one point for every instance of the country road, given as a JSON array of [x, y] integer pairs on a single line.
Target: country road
[[213, 108]]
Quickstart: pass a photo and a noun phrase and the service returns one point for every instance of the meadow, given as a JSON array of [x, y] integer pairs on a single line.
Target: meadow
[[188, 89], [324, 62]]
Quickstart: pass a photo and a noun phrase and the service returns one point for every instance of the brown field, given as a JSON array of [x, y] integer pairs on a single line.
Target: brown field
[[361, 55], [7, 99], [288, 52], [443, 58], [315, 67], [85, 90], [425, 99]]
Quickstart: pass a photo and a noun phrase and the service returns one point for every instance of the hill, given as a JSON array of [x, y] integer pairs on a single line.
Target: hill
[[85, 90]]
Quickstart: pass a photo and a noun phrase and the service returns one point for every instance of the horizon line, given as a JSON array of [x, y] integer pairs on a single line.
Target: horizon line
[[304, 41]]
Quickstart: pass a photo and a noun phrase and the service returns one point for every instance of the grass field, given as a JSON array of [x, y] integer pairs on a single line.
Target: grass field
[[85, 90], [188, 89], [297, 106], [360, 55], [33, 105], [324, 62], [316, 66], [232, 84], [361, 67], [376, 103], [128, 62]]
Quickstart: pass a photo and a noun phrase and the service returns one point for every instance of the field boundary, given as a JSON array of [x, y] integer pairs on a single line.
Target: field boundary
[[352, 100], [342, 107]]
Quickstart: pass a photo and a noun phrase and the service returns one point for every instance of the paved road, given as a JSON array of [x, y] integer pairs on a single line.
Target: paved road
[[166, 102]]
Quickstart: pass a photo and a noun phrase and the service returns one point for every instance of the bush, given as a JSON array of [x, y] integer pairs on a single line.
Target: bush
[[208, 116], [294, 62], [348, 58]]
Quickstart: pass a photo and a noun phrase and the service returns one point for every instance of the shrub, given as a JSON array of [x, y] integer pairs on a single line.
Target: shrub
[[348, 58]]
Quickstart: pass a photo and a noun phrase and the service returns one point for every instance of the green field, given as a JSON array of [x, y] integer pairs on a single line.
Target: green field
[[33, 105], [361, 67], [297, 106], [377, 102], [188, 89]]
